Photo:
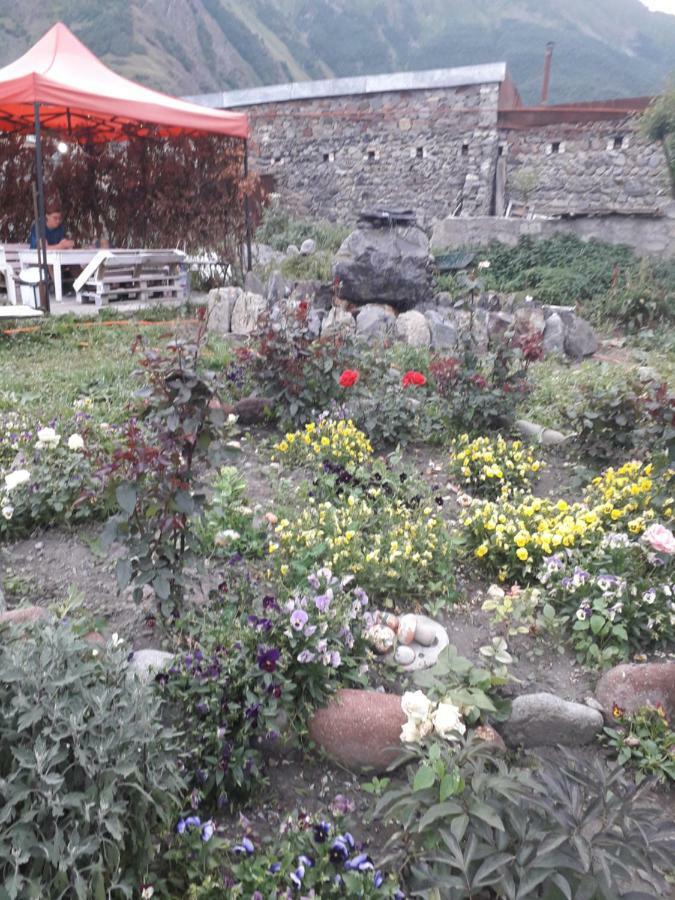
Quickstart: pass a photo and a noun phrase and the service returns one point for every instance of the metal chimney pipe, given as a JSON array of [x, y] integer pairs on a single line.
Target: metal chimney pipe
[[548, 57]]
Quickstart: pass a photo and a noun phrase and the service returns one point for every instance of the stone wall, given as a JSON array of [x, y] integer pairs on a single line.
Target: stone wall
[[647, 235], [432, 150], [572, 167]]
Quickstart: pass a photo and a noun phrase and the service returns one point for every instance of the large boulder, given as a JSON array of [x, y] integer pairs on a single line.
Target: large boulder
[[499, 325], [276, 288], [530, 320], [580, 339], [375, 322], [633, 685], [246, 313], [360, 729], [220, 304], [539, 720], [23, 615], [386, 265], [413, 328], [253, 284], [554, 335], [443, 332], [338, 322]]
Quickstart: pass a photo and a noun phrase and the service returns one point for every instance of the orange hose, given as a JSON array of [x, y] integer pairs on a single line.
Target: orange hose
[[137, 322]]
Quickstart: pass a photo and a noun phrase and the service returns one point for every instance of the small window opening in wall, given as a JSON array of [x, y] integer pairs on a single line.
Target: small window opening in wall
[[277, 160], [372, 154], [419, 152], [501, 150], [329, 157], [555, 147], [617, 144], [465, 149]]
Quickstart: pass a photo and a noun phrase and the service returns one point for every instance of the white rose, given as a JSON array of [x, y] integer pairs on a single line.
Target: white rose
[[14, 479], [8, 511], [416, 706], [410, 733], [47, 437], [76, 442], [448, 721]]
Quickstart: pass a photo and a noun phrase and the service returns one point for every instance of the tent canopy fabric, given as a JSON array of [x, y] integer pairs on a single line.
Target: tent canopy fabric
[[82, 99]]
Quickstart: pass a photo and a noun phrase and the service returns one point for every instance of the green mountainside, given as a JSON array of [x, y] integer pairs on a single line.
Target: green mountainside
[[603, 48]]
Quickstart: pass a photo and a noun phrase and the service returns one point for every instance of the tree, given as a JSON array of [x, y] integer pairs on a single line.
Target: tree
[[658, 123]]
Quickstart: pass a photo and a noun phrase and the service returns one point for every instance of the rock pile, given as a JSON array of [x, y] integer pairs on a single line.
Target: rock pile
[[382, 290]]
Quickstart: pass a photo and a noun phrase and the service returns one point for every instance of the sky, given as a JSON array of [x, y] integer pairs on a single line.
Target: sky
[[666, 6]]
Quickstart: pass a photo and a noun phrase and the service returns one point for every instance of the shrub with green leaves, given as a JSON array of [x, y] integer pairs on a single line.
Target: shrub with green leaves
[[227, 526], [644, 741], [481, 828], [87, 769]]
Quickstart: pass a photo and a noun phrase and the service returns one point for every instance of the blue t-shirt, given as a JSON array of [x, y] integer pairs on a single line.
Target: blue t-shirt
[[53, 235]]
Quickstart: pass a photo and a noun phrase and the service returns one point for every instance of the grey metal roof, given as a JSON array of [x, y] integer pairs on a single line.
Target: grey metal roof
[[490, 73]]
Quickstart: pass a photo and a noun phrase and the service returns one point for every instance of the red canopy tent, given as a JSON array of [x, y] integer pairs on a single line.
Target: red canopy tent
[[59, 85]]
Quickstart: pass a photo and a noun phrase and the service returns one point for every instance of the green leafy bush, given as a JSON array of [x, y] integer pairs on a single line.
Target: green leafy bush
[[644, 741], [228, 526], [87, 770], [279, 230], [482, 828]]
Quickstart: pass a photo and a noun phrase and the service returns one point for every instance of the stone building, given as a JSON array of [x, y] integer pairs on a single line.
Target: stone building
[[445, 142]]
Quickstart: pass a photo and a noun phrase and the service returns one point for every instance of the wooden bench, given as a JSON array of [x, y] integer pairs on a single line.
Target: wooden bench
[[142, 275]]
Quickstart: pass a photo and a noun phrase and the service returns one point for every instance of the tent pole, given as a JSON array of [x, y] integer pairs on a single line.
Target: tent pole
[[247, 213], [40, 222]]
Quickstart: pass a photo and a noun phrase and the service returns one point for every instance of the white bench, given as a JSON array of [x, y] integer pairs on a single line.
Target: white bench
[[10, 266], [19, 312], [145, 275]]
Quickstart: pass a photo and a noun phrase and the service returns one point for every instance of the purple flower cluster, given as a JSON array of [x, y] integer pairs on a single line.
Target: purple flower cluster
[[207, 829]]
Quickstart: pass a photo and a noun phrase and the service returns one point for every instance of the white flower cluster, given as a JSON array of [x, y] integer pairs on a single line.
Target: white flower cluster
[[47, 438], [425, 717]]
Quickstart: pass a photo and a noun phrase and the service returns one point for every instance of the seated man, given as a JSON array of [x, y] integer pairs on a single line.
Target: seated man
[[54, 231]]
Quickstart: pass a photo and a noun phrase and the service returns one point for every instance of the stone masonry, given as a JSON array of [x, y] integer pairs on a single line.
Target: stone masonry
[[447, 142]]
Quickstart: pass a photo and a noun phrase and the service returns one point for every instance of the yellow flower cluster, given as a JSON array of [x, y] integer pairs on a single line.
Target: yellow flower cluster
[[493, 466], [394, 549], [513, 536], [334, 441], [623, 493]]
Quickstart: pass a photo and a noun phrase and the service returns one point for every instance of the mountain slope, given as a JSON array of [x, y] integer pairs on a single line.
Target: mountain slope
[[604, 48]]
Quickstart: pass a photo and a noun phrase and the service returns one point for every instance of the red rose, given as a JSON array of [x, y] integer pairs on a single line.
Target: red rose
[[415, 378], [348, 378]]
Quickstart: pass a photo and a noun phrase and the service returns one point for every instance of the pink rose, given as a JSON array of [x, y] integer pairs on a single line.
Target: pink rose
[[660, 539]]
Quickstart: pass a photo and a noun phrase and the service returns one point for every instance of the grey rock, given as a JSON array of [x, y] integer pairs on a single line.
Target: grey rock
[[443, 332], [276, 288], [539, 720], [146, 663], [445, 300], [474, 326], [647, 373], [554, 335], [388, 265], [252, 284], [292, 250], [308, 247], [220, 304], [413, 328], [580, 339], [498, 326], [263, 255], [338, 321], [529, 320], [246, 312], [375, 322]]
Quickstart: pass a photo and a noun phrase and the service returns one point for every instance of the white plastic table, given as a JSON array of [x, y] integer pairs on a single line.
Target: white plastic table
[[57, 259]]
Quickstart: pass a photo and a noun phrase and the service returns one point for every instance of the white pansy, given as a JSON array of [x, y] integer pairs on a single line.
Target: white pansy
[[225, 537], [231, 419], [448, 722], [7, 511], [416, 706], [47, 437], [14, 479], [116, 640], [76, 442], [410, 733], [484, 264]]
